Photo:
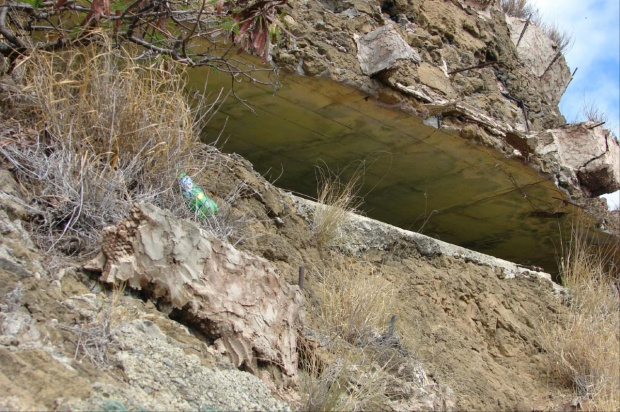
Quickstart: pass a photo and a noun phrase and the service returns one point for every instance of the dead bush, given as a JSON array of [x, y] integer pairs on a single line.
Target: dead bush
[[111, 131]]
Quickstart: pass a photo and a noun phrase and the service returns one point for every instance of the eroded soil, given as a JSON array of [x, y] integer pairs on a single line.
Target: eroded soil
[[473, 331]]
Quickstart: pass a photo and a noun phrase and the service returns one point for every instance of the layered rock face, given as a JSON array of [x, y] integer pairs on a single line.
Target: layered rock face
[[236, 299], [462, 63]]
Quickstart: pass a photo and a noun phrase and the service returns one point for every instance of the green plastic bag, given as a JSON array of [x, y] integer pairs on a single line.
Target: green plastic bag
[[195, 198]]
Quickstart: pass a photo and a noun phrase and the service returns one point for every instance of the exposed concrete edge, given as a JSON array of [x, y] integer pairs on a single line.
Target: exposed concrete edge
[[365, 233]]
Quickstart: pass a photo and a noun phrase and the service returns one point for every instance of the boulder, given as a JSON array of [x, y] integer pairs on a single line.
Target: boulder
[[583, 154], [541, 55], [238, 300], [381, 49]]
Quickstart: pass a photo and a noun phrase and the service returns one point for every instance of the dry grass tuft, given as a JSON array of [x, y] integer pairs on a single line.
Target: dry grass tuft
[[230, 223], [562, 38], [355, 304], [592, 113], [112, 131], [350, 381], [336, 199], [524, 9], [349, 369], [584, 344], [519, 8]]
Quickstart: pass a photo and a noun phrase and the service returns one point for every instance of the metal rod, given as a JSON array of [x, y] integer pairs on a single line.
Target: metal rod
[[302, 273], [527, 23], [596, 125], [480, 66]]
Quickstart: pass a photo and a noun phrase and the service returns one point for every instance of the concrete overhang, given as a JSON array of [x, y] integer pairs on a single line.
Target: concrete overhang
[[417, 176]]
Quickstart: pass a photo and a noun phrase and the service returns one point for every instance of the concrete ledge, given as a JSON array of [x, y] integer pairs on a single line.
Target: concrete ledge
[[364, 233]]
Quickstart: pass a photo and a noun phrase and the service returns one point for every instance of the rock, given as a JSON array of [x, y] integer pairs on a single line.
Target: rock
[[180, 381], [541, 55], [435, 78], [312, 64], [233, 297], [381, 49], [482, 7], [17, 250], [579, 155]]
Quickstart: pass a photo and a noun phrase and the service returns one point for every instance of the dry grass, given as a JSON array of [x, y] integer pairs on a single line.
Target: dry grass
[[112, 131], [592, 113], [230, 223], [349, 371], [562, 38], [336, 199], [584, 344], [525, 10], [356, 303], [519, 8], [350, 381]]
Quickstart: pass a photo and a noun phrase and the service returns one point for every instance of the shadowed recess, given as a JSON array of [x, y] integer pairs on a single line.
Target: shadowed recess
[[416, 176]]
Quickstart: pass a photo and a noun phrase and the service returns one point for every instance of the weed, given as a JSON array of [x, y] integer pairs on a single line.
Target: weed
[[230, 224], [336, 199], [561, 38], [349, 369], [583, 344], [592, 113], [525, 10], [519, 8], [350, 381]]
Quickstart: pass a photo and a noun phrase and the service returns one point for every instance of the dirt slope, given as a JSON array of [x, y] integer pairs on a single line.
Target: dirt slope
[[474, 332]]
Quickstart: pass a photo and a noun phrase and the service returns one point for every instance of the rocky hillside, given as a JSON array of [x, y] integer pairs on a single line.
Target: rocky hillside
[[249, 309], [196, 310], [462, 65]]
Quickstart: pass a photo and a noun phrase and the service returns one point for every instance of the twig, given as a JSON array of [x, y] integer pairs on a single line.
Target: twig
[[11, 37], [191, 33]]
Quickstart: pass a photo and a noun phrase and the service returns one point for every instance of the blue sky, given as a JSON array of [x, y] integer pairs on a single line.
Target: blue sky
[[595, 29]]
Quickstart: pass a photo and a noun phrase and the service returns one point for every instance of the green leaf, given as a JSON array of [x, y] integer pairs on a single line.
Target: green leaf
[[34, 3], [118, 5], [230, 25], [274, 33], [75, 32], [158, 36]]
